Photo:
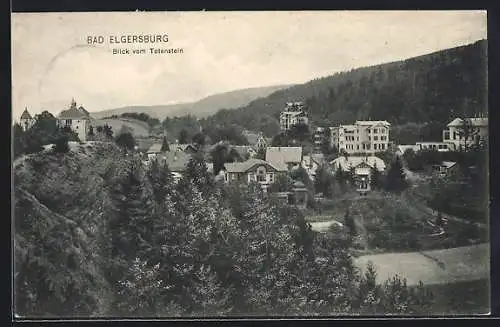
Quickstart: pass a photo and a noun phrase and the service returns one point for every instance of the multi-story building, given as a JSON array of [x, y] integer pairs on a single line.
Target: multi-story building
[[334, 136], [319, 135], [77, 119], [294, 113], [453, 134], [27, 121], [364, 136]]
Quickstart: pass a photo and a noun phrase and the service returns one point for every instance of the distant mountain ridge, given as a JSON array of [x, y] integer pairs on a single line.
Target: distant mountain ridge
[[434, 87], [202, 108]]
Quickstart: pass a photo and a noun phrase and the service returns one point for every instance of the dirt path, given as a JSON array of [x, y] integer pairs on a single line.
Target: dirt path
[[432, 267]]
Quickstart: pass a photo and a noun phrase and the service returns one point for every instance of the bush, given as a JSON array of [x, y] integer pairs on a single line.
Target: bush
[[61, 145]]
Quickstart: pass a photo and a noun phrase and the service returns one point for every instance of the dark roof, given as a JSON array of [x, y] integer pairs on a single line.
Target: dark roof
[[74, 113], [26, 114], [242, 167]]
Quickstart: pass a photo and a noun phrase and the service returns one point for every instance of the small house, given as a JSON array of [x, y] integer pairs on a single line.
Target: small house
[[255, 170], [445, 169], [362, 166]]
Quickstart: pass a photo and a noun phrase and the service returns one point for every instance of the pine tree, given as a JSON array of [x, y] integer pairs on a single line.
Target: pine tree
[[197, 173], [369, 293], [375, 178], [129, 225], [164, 146], [396, 177], [323, 181]]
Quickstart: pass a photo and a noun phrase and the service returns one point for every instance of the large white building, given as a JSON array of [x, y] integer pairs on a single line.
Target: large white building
[[294, 113], [77, 119], [453, 135], [364, 136]]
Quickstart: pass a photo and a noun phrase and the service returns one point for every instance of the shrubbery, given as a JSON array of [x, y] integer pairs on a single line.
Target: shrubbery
[[149, 247]]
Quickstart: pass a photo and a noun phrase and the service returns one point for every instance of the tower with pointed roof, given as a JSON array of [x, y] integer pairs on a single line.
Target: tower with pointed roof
[[27, 121]]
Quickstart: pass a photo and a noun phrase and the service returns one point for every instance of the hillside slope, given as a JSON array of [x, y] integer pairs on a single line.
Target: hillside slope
[[432, 87], [202, 108], [136, 127]]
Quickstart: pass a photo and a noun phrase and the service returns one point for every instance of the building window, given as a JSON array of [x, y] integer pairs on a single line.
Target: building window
[[368, 147], [369, 138], [68, 122], [375, 131], [375, 138], [357, 138], [261, 175], [368, 130], [382, 146], [271, 178]]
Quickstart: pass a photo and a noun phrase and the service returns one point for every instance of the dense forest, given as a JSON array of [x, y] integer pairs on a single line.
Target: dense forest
[[435, 87], [104, 237]]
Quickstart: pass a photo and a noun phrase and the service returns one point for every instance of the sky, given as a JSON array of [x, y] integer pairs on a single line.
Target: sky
[[222, 51]]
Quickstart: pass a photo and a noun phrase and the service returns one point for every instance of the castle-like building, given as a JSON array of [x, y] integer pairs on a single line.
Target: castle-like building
[[75, 118], [27, 121]]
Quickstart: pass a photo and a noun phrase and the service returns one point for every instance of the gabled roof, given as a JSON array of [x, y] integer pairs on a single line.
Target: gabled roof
[[448, 164], [475, 122], [155, 148], [279, 156], [318, 158], [26, 114], [354, 161], [243, 167], [74, 113], [183, 146]]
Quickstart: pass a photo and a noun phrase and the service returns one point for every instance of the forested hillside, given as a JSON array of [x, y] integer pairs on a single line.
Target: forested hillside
[[99, 234], [433, 87]]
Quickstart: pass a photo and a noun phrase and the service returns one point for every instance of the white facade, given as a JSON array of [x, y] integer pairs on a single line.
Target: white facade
[[79, 126], [77, 119], [293, 114], [363, 137], [452, 132], [26, 121], [435, 146]]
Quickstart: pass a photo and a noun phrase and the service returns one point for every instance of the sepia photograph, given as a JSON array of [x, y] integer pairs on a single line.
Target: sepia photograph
[[250, 164]]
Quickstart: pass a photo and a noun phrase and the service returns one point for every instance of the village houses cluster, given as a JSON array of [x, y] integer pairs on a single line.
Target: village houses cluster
[[357, 144]]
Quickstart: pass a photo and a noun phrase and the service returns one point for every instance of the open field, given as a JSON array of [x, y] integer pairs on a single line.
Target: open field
[[136, 127], [432, 267]]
